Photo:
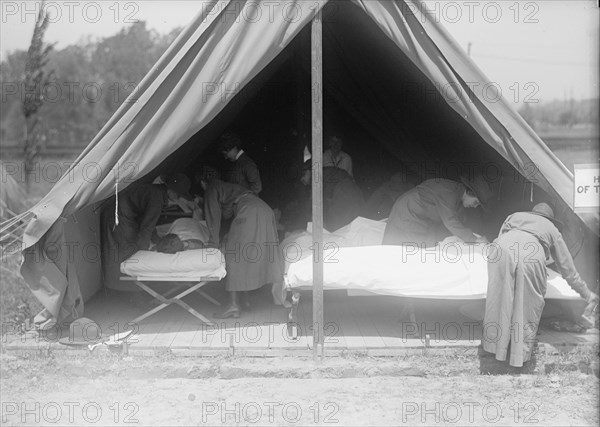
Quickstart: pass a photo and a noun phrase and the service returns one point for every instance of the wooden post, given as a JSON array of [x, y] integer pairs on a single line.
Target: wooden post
[[317, 182]]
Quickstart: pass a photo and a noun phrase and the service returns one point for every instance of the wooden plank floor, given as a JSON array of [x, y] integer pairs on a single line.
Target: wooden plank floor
[[353, 323]]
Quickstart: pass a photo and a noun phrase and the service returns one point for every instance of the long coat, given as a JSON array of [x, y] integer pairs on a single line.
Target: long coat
[[251, 249], [427, 213], [517, 281], [139, 210]]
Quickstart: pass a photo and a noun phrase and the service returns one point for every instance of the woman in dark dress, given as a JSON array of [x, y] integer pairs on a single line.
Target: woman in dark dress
[[251, 248], [244, 171]]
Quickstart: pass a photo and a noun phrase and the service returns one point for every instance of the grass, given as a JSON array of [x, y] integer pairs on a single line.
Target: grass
[[167, 366]]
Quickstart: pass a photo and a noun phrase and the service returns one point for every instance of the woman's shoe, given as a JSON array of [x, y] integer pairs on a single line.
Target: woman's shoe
[[232, 311], [246, 301]]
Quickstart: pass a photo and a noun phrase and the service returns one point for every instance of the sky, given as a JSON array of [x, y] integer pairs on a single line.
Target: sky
[[534, 50]]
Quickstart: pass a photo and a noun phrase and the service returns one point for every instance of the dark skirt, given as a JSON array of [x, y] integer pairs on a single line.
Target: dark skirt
[[252, 251]]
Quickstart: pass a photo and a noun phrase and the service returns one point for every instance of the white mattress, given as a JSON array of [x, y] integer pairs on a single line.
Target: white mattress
[[190, 265], [456, 271]]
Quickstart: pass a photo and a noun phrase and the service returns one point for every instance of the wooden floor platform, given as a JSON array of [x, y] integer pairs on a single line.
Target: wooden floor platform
[[374, 325]]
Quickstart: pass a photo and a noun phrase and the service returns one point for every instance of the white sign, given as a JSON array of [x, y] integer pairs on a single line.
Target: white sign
[[587, 187]]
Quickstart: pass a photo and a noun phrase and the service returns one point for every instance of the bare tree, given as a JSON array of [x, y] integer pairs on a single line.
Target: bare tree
[[35, 79]]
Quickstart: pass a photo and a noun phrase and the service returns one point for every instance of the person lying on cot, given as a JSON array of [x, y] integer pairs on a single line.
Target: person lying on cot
[[426, 214], [181, 234], [172, 243]]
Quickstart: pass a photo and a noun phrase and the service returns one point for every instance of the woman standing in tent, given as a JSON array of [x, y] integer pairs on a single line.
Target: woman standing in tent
[[517, 282], [244, 171], [426, 214], [251, 249]]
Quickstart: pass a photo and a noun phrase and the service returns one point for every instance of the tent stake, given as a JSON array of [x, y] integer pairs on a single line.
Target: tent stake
[[317, 182]]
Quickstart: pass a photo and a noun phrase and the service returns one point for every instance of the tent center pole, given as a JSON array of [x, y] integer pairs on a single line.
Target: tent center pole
[[317, 182]]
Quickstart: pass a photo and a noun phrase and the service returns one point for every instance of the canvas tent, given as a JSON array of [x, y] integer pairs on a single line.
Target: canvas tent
[[389, 69]]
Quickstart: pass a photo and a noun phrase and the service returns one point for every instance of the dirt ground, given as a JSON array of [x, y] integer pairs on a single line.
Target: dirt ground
[[110, 390]]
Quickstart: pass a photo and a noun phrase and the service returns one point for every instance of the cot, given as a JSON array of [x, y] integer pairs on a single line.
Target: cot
[[187, 271], [355, 261]]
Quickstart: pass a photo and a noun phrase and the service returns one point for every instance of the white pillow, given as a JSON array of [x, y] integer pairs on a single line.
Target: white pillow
[[195, 263]]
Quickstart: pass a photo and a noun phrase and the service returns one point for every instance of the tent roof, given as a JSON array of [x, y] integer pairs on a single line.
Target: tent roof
[[227, 45]]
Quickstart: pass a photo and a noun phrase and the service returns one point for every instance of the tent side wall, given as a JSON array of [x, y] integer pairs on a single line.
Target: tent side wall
[[66, 270], [83, 235]]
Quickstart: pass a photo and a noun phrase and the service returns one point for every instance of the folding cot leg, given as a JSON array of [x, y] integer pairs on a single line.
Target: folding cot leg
[[193, 312], [411, 313], [208, 297], [166, 302], [177, 288], [413, 318], [201, 292], [292, 325], [408, 310]]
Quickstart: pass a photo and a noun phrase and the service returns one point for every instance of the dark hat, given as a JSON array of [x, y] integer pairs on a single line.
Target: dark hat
[[229, 140], [180, 184], [544, 209], [478, 185], [83, 332]]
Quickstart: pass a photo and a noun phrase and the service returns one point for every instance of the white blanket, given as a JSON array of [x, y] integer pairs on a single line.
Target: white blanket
[[452, 271], [186, 265], [360, 232]]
